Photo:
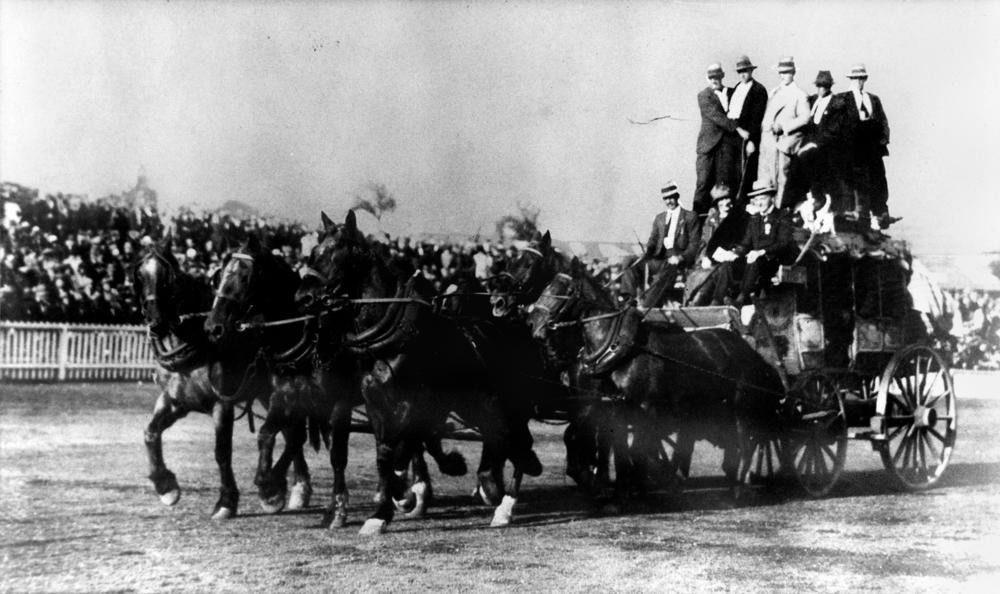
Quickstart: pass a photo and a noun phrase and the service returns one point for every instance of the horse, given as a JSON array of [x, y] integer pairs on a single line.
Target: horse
[[707, 384], [419, 366], [519, 286], [191, 380], [255, 304]]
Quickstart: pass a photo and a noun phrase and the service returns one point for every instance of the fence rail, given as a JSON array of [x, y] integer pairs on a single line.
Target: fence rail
[[41, 351]]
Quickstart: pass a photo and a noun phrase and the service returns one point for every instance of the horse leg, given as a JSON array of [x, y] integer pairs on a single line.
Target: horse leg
[[618, 428], [301, 491], [271, 487], [340, 422], [165, 414], [731, 459], [420, 489], [229, 494], [683, 452], [504, 513], [390, 446], [489, 476]]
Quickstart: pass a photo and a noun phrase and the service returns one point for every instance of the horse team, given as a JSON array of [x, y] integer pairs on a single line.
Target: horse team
[[357, 327]]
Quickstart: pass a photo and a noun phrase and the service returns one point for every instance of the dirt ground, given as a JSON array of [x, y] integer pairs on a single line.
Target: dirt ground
[[77, 514]]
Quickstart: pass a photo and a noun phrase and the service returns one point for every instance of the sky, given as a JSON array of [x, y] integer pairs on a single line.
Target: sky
[[465, 110]]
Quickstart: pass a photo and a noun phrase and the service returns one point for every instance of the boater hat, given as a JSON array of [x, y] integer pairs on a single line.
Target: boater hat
[[670, 191], [824, 79], [762, 187], [858, 71], [715, 71], [786, 64], [744, 63]]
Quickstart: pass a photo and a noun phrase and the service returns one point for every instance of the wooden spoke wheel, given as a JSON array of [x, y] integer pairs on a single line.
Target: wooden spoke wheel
[[817, 442], [765, 465], [916, 400]]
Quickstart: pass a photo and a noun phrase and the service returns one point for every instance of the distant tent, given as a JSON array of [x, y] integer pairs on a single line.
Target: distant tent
[[963, 271]]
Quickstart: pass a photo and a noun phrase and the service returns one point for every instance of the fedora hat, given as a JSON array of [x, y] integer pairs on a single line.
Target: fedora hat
[[714, 70], [786, 64], [762, 187], [858, 71], [824, 79], [744, 63], [670, 191]]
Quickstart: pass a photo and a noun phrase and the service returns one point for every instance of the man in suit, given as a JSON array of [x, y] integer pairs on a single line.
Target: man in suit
[[766, 243], [747, 104], [868, 134], [786, 115], [672, 246], [823, 157], [718, 141]]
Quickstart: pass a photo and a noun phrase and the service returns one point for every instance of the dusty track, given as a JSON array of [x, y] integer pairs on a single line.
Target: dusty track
[[79, 515]]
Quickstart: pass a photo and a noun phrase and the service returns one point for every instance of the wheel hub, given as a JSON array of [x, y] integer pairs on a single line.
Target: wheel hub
[[924, 416]]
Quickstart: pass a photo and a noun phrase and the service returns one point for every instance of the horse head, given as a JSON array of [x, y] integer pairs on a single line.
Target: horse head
[[155, 277], [253, 283], [526, 275], [337, 266], [565, 299]]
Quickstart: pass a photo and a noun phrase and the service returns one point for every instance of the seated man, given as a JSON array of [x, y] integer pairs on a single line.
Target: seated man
[[720, 266], [766, 243], [672, 246]]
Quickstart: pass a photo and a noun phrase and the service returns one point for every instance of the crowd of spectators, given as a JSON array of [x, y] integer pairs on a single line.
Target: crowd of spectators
[[67, 259], [975, 330]]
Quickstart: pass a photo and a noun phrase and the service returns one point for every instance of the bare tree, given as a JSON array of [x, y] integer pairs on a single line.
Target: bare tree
[[523, 225], [379, 200]]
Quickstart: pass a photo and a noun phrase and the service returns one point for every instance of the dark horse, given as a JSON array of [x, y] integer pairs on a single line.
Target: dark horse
[[189, 378], [707, 384], [255, 304], [418, 365]]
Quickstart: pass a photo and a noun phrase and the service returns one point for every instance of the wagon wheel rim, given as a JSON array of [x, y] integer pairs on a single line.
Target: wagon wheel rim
[[817, 443], [917, 400]]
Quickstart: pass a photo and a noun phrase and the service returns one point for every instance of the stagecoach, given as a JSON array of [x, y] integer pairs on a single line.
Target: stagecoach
[[856, 362]]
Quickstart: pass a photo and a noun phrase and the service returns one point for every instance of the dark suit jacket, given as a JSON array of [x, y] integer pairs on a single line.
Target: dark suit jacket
[[776, 241], [714, 122], [872, 139], [753, 110], [686, 238], [831, 131]]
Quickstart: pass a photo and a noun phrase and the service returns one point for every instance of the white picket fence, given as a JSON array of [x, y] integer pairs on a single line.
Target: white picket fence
[[41, 351]]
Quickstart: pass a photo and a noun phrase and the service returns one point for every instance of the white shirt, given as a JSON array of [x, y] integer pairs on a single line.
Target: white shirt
[[671, 222], [736, 101], [722, 98], [819, 107], [859, 97]]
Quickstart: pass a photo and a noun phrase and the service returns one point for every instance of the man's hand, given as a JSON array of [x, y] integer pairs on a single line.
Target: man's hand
[[751, 148], [674, 260], [706, 263], [754, 255], [743, 133]]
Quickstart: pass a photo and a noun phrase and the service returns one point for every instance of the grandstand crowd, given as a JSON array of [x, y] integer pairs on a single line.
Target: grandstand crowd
[[68, 259]]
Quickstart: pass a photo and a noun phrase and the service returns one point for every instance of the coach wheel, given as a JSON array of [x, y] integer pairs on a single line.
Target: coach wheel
[[765, 465], [916, 401], [817, 444]]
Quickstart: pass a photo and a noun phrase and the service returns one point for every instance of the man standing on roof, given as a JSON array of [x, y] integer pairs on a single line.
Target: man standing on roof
[[746, 107], [824, 154], [718, 141], [781, 129], [868, 132], [672, 247]]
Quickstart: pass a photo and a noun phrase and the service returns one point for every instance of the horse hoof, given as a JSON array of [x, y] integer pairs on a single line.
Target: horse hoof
[[611, 509], [273, 505], [373, 527], [300, 496], [422, 494], [504, 512], [339, 520], [406, 504], [223, 513], [170, 497]]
